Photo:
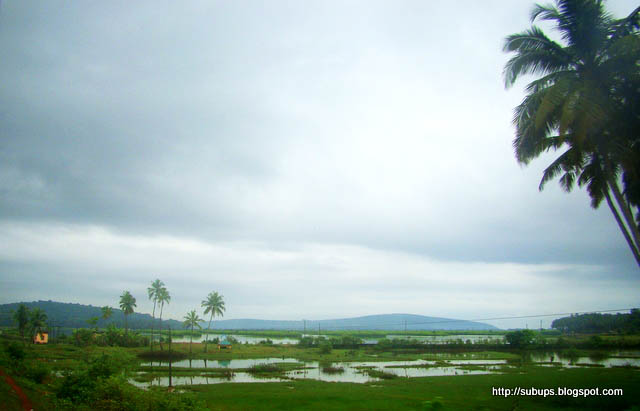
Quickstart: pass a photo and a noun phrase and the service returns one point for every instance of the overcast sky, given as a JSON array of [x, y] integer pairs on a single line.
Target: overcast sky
[[313, 160]]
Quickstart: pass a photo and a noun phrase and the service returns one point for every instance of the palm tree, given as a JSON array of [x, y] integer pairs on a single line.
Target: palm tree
[[163, 297], [214, 305], [583, 101], [191, 320], [107, 312], [37, 320], [127, 304], [153, 292], [21, 317]]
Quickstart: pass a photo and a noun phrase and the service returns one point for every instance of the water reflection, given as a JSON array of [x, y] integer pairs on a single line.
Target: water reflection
[[357, 372], [354, 372]]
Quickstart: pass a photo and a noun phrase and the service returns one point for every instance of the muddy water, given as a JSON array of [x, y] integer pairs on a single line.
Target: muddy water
[[353, 372], [356, 372]]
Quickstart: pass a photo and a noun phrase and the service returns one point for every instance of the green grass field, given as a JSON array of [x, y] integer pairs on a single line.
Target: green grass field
[[445, 392], [467, 392]]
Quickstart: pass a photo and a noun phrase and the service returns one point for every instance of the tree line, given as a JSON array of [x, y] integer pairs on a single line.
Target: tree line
[[599, 323], [33, 321]]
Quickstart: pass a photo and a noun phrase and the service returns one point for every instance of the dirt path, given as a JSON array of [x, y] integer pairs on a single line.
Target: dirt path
[[26, 404]]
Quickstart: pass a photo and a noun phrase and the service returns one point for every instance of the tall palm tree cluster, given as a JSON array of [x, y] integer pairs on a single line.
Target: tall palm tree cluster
[[159, 294], [586, 102], [213, 305]]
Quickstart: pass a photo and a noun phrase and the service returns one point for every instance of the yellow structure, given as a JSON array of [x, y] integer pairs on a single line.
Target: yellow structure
[[41, 338], [224, 345]]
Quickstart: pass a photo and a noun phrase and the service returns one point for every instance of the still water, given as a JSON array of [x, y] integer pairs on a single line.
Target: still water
[[426, 339], [354, 372]]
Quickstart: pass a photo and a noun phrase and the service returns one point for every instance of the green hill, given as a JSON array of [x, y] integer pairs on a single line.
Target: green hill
[[70, 315]]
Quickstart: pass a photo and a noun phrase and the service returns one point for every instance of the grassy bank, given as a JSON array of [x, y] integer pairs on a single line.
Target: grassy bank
[[456, 392], [43, 369]]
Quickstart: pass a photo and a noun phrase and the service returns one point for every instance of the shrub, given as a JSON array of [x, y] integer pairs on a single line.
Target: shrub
[[16, 352], [83, 337], [330, 369], [263, 368], [520, 338], [75, 387], [37, 372], [384, 375], [595, 341], [306, 342], [325, 347]]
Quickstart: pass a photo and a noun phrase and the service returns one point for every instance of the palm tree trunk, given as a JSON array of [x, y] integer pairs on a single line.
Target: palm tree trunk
[[626, 211], [206, 342], [191, 340], [126, 327], [153, 320], [161, 308], [627, 237]]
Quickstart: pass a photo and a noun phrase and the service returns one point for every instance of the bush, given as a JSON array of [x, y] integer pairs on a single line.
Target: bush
[[263, 368], [37, 372], [384, 343], [330, 369], [520, 338], [115, 393], [16, 352], [596, 341], [76, 387], [83, 337], [116, 337], [305, 342], [325, 347]]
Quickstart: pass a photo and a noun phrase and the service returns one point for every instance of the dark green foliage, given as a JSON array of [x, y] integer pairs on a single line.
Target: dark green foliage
[[37, 321], [78, 386], [325, 347], [16, 352], [79, 391], [164, 355], [113, 337], [306, 342], [263, 368], [435, 404], [584, 103], [345, 341], [83, 337], [599, 323], [69, 315], [330, 369], [75, 387], [37, 372], [21, 318], [383, 375], [520, 338]]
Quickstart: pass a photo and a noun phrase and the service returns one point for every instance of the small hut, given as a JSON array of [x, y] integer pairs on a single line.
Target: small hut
[[41, 338], [224, 344]]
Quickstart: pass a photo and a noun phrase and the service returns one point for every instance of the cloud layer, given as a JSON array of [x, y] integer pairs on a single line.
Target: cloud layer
[[304, 159]]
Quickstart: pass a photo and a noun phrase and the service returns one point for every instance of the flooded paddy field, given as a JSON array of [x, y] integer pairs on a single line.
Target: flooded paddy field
[[201, 371]]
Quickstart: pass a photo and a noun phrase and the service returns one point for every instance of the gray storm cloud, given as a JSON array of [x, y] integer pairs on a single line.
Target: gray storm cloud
[[283, 149]]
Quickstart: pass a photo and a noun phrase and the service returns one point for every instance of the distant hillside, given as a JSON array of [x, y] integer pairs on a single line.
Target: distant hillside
[[76, 315], [70, 315], [389, 322]]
